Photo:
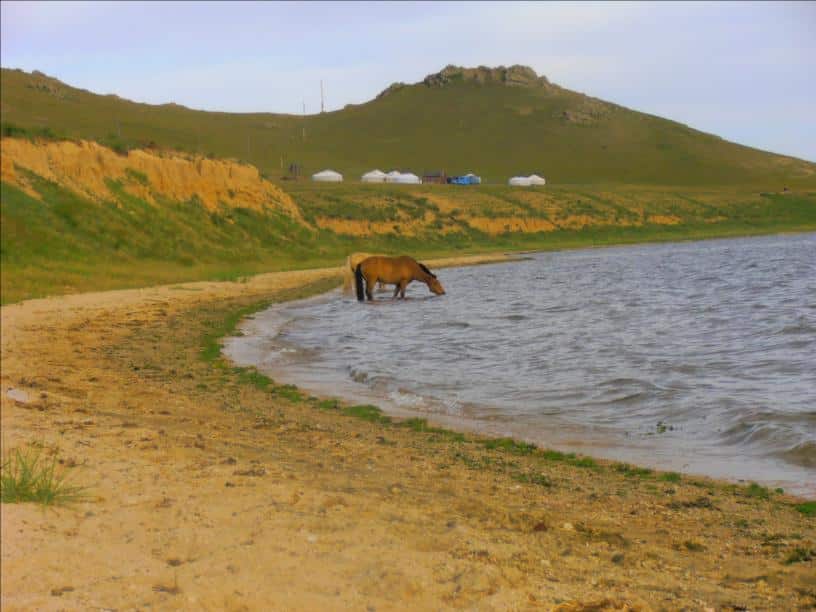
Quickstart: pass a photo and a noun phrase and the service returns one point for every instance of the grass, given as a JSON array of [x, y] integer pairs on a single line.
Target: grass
[[800, 555], [632, 470], [28, 476], [419, 128], [807, 508], [63, 243], [366, 412], [439, 433], [757, 491], [509, 445]]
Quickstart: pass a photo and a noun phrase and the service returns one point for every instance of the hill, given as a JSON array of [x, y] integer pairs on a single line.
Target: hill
[[494, 121], [77, 216]]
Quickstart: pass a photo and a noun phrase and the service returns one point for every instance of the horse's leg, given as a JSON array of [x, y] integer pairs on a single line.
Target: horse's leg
[[396, 292], [369, 289], [401, 288]]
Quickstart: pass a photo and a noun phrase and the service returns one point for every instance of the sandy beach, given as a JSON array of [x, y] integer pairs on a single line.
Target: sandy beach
[[206, 491]]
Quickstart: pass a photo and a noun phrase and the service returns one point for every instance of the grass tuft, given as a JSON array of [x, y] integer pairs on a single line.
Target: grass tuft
[[421, 426], [632, 470], [511, 446], [757, 491], [366, 412], [27, 476], [807, 508], [800, 555]]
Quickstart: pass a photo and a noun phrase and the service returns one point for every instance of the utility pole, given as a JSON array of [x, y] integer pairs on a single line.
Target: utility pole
[[321, 96], [303, 134]]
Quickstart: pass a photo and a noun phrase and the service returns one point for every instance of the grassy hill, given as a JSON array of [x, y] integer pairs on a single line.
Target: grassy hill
[[495, 122], [79, 217]]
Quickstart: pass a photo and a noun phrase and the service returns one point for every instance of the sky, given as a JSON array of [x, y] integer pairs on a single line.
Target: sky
[[743, 71]]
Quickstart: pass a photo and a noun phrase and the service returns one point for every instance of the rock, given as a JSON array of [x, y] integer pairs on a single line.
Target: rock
[[519, 76], [18, 395]]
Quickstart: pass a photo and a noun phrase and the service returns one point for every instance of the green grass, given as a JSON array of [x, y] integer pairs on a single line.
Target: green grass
[[28, 476], [632, 470], [800, 555], [509, 445], [366, 412], [63, 243], [439, 433], [420, 128], [807, 508], [757, 491]]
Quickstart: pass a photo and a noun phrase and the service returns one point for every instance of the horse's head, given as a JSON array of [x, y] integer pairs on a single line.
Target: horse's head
[[435, 286], [433, 283]]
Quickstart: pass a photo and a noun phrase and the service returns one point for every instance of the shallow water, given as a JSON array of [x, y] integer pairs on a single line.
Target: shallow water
[[697, 356]]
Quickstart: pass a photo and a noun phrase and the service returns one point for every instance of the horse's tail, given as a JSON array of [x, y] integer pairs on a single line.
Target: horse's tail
[[358, 282], [348, 276]]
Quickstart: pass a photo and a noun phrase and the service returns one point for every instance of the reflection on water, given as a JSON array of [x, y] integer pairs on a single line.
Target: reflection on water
[[691, 356]]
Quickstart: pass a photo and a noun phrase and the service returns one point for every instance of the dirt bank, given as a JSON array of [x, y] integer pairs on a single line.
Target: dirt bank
[[211, 489], [86, 168]]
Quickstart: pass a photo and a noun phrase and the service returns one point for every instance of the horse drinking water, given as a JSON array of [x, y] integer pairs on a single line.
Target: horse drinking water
[[393, 270]]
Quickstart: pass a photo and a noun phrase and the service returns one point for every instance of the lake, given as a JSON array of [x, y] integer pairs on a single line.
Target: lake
[[697, 357]]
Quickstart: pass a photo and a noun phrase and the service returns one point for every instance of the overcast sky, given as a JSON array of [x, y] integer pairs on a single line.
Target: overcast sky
[[744, 71]]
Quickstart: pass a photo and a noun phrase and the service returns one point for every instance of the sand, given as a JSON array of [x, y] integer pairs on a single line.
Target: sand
[[206, 492]]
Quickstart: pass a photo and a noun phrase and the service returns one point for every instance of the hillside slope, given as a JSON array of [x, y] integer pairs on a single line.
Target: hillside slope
[[496, 122], [78, 216]]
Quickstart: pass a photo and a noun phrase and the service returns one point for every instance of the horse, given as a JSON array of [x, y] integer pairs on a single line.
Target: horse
[[393, 270], [351, 265]]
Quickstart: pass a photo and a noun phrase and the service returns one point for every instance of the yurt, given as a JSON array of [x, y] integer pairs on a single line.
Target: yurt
[[537, 180], [375, 176], [465, 179], [392, 176], [328, 176], [520, 181], [409, 178]]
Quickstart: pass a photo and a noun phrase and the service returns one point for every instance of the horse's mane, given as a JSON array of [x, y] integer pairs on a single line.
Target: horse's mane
[[426, 270]]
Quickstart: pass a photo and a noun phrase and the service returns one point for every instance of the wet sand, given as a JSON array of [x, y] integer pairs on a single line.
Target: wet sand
[[209, 492]]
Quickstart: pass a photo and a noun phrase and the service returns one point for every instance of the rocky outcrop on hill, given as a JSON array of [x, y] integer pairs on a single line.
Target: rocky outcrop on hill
[[513, 76], [518, 76]]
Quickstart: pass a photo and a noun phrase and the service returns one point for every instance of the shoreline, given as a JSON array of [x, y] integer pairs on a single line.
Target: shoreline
[[212, 486], [595, 447]]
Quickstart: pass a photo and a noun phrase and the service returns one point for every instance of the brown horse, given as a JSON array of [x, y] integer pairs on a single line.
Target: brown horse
[[393, 270]]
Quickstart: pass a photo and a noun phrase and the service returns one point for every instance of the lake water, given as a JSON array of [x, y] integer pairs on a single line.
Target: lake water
[[697, 357]]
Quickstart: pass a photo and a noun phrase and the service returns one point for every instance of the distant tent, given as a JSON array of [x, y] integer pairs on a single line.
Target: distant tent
[[328, 176], [375, 176], [520, 181], [467, 179], [537, 180], [408, 177]]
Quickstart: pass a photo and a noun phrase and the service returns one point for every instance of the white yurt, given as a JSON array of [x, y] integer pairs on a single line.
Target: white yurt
[[409, 178], [392, 176], [519, 181], [328, 176], [537, 180], [375, 176]]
